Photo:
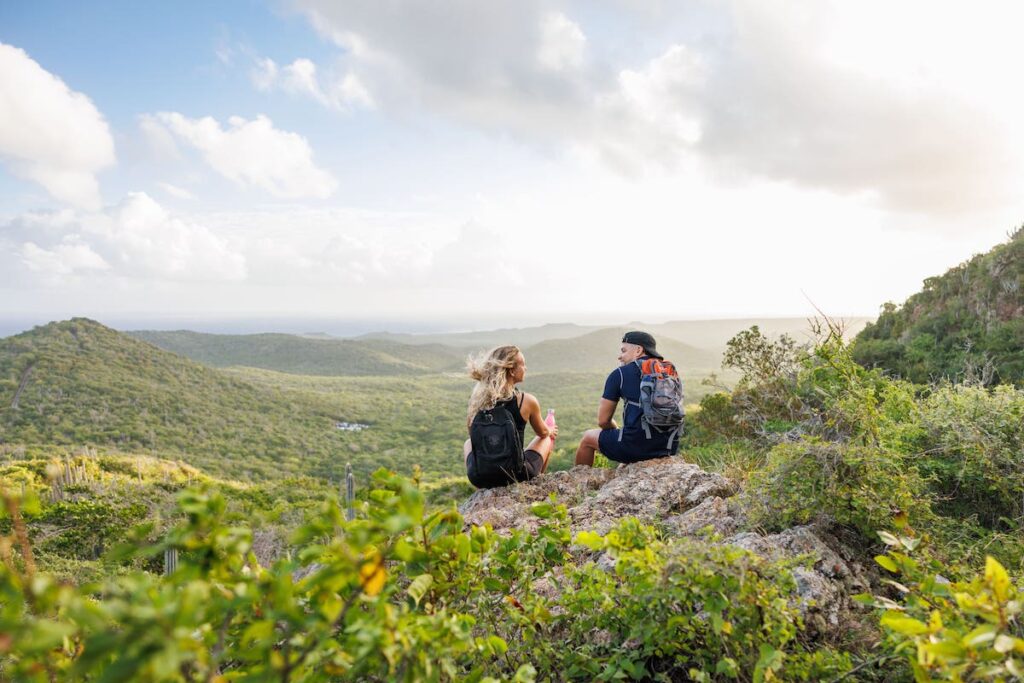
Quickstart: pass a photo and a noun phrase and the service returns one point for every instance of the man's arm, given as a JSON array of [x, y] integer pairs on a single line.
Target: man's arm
[[606, 414]]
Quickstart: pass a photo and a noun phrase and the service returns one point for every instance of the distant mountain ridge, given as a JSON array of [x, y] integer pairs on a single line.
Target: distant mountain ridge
[[305, 355], [557, 347], [598, 352]]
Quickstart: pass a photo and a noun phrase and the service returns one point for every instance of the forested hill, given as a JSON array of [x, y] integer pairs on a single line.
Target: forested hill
[[78, 382], [307, 356], [968, 321]]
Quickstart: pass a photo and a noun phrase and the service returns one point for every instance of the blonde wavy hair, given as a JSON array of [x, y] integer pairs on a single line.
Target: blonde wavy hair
[[493, 374]]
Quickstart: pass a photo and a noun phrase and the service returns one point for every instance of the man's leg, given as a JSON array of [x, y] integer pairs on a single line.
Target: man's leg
[[588, 446], [545, 446]]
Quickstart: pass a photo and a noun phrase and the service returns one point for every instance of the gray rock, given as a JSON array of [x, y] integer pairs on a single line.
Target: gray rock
[[823, 588], [714, 512], [684, 500]]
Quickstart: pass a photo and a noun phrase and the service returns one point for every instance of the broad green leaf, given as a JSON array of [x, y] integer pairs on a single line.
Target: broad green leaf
[[947, 649], [525, 674], [419, 587], [888, 538], [980, 635], [902, 624], [887, 562], [542, 510], [590, 540], [997, 578]]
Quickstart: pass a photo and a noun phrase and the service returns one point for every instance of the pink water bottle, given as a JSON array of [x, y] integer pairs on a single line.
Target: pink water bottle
[[550, 419]]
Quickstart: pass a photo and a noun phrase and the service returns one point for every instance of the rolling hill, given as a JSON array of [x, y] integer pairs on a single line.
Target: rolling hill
[[78, 382], [306, 355]]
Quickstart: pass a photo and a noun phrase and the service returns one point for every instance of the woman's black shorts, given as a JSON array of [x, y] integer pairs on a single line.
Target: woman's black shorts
[[533, 461]]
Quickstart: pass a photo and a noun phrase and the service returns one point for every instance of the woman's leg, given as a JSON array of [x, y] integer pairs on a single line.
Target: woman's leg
[[588, 446], [543, 445]]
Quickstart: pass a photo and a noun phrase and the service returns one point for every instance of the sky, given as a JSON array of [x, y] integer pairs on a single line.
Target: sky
[[476, 164]]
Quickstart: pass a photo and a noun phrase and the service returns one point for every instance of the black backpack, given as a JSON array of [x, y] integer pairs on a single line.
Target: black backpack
[[497, 457]]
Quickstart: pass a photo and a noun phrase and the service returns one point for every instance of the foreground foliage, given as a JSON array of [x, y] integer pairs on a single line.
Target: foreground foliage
[[967, 630], [402, 594]]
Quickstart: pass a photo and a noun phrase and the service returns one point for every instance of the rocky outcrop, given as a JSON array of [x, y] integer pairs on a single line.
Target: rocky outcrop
[[683, 500], [598, 498]]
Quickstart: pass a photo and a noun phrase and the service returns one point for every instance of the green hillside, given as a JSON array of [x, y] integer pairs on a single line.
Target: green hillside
[[598, 352], [78, 382], [306, 355], [966, 322]]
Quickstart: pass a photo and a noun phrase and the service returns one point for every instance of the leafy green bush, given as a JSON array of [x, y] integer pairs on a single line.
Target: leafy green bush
[[862, 487], [716, 418], [974, 444]]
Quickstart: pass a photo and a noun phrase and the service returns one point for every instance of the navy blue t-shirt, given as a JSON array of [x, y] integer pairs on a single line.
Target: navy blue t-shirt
[[623, 384]]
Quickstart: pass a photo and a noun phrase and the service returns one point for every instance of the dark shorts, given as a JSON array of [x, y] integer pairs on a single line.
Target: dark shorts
[[533, 460], [629, 450]]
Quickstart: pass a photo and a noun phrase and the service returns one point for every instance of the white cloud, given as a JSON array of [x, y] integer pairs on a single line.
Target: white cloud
[[343, 92], [562, 43], [49, 133], [136, 239], [62, 259], [254, 153], [801, 96], [160, 140], [175, 191], [380, 252]]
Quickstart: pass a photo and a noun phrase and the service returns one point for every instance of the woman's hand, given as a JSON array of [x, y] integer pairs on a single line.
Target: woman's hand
[[553, 432]]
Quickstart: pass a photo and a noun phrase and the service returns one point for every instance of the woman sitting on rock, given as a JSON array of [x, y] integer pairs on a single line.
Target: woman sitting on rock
[[498, 413]]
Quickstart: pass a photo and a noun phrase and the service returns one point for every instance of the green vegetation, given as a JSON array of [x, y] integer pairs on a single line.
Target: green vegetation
[[306, 356], [405, 594], [273, 583], [78, 519], [85, 384], [965, 324]]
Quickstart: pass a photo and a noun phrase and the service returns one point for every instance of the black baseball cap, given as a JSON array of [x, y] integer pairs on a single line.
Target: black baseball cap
[[645, 340]]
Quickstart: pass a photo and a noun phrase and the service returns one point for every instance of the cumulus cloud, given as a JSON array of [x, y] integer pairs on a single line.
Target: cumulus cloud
[[341, 92], [137, 238], [562, 43], [253, 153], [755, 92], [388, 251], [49, 133], [175, 191]]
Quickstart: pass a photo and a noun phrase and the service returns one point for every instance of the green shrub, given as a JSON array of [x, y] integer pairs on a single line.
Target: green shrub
[[974, 445], [862, 487]]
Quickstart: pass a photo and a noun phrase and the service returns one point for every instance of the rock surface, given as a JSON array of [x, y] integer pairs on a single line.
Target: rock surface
[[684, 500]]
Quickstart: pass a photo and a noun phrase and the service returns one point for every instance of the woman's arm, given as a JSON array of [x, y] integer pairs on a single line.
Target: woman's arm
[[531, 408]]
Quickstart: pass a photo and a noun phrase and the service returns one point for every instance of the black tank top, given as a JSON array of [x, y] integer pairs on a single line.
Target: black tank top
[[514, 405]]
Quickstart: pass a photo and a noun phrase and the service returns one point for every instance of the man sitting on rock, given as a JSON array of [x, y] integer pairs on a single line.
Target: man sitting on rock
[[631, 443]]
